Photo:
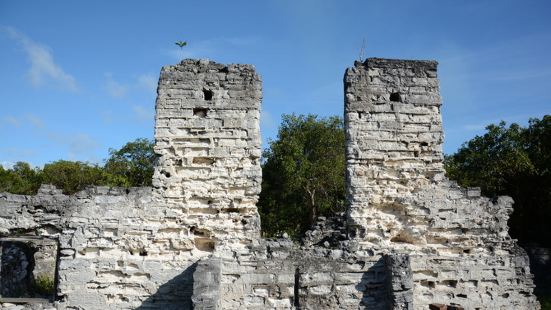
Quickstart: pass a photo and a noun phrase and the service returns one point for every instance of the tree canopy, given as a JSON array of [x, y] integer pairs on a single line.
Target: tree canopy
[[134, 162], [303, 174], [513, 161], [132, 165]]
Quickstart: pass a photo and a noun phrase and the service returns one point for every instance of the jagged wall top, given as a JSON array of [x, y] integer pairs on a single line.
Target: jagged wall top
[[400, 101]]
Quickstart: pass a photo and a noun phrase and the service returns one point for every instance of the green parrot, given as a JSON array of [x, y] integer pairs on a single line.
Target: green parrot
[[181, 43]]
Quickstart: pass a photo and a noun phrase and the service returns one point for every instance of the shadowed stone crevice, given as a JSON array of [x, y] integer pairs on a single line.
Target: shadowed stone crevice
[[176, 294]]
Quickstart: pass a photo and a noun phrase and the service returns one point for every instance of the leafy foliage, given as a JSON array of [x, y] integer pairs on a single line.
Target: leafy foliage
[[513, 161], [134, 162], [44, 286], [303, 174], [73, 176], [20, 179], [545, 302], [132, 165]]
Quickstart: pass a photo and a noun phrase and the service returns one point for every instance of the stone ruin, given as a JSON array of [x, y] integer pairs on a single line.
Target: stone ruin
[[410, 239]]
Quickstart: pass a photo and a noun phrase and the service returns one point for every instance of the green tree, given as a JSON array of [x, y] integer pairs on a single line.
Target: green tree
[[513, 161], [20, 179], [133, 164], [73, 176], [303, 174]]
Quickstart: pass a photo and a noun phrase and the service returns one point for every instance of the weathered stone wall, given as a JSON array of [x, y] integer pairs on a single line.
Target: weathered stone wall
[[208, 138], [282, 275], [118, 249], [138, 248], [409, 239], [327, 271], [27, 267], [399, 199]]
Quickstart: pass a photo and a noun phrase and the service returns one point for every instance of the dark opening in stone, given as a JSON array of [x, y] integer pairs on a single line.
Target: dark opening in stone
[[296, 289], [28, 267], [204, 244], [207, 94], [200, 112], [395, 97]]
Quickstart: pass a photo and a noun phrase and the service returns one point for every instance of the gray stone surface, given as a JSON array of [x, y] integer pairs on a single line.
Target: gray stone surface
[[409, 239], [206, 284], [400, 201]]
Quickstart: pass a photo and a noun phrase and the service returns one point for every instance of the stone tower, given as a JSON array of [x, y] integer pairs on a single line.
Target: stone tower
[[207, 136], [400, 201], [393, 139]]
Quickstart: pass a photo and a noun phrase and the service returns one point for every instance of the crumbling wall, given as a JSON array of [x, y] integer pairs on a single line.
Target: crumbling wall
[[410, 237], [399, 199], [117, 248], [138, 248], [208, 138], [326, 271]]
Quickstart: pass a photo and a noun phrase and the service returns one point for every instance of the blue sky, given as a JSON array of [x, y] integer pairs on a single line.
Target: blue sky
[[79, 77]]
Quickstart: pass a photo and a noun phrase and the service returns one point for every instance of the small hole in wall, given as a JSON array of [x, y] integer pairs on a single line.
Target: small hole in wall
[[143, 252], [395, 97], [207, 94], [450, 283], [204, 244], [200, 112], [429, 284]]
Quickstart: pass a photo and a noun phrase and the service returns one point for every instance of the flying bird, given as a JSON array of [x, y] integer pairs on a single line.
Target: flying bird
[[181, 43]]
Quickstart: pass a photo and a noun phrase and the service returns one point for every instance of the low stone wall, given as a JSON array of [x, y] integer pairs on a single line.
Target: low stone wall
[[117, 247], [326, 272]]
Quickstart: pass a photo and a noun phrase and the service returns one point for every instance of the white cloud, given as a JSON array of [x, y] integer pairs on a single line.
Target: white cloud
[[7, 164], [147, 82], [43, 67], [36, 121], [142, 114], [12, 121], [81, 145], [107, 116], [267, 120], [11, 155], [114, 88]]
